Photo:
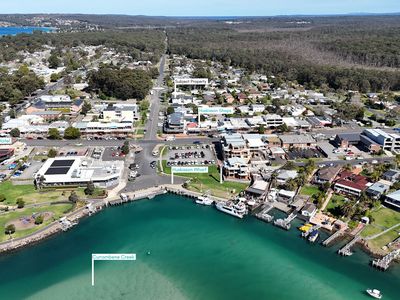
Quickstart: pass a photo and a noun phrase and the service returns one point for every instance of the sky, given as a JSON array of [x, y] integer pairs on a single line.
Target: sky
[[201, 7]]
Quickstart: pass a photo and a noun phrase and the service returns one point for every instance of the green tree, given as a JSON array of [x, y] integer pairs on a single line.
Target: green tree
[[72, 133], [52, 153], [39, 220], [9, 229], [86, 107], [20, 203], [54, 61], [54, 134], [144, 105], [73, 197], [261, 129], [125, 148], [15, 132], [89, 190], [2, 198]]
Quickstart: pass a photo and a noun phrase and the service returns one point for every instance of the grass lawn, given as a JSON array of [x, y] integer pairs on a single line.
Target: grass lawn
[[210, 182], [309, 190], [334, 204], [383, 240], [385, 217], [58, 210], [30, 195]]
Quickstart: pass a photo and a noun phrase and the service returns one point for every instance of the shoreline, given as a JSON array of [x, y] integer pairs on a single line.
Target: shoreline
[[55, 228]]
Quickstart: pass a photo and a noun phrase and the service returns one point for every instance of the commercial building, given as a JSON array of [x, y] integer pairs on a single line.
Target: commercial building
[[120, 113], [298, 141], [78, 171], [6, 154], [175, 123], [235, 146], [388, 141]]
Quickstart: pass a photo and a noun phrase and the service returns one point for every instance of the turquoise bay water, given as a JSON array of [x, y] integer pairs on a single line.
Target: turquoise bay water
[[17, 30], [195, 253]]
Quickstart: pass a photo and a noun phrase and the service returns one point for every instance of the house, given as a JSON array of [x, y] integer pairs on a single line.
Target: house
[[327, 174], [377, 190], [237, 168], [286, 196], [309, 210], [273, 120], [350, 183], [393, 199], [298, 141], [284, 175], [391, 175], [258, 188]]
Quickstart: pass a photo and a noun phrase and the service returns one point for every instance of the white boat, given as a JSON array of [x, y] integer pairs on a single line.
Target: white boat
[[238, 210], [374, 293], [204, 200], [313, 236]]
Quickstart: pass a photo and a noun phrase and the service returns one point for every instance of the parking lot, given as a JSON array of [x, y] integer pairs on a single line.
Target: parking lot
[[190, 155], [112, 153], [303, 153]]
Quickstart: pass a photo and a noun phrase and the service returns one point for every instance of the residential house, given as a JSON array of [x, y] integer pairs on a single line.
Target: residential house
[[309, 210], [350, 183], [236, 168], [327, 174], [393, 199], [284, 175], [391, 175], [377, 190]]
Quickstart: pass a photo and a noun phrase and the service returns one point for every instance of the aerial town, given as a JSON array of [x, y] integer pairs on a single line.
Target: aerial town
[[249, 143]]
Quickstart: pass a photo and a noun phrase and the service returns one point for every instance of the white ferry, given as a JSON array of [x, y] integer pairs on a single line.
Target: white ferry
[[204, 200], [238, 210]]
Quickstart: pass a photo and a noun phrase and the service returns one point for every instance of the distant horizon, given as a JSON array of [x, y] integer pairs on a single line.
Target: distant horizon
[[204, 8], [213, 16]]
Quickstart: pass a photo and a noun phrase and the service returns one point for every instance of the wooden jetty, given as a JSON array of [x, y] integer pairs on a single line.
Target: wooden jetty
[[333, 237], [384, 263], [285, 223], [346, 250], [263, 215]]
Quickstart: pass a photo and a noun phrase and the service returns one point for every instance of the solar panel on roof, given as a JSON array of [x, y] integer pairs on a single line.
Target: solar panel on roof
[[57, 171], [62, 163]]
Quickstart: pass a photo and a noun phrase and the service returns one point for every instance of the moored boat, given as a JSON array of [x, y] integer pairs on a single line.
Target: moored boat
[[204, 200], [374, 293], [238, 209]]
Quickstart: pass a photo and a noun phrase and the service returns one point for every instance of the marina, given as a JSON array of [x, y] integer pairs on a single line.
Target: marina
[[185, 242]]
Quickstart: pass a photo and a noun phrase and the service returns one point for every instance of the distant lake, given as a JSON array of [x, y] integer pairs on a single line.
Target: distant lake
[[17, 30]]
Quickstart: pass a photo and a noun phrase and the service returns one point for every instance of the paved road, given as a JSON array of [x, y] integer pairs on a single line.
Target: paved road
[[152, 122]]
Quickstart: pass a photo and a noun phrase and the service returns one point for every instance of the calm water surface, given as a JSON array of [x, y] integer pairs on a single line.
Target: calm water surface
[[195, 253]]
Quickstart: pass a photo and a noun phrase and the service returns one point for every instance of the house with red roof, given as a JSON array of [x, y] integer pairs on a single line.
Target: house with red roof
[[350, 183]]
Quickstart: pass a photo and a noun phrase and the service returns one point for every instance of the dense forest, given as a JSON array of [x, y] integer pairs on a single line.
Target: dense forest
[[20, 84], [131, 42], [348, 54], [120, 83]]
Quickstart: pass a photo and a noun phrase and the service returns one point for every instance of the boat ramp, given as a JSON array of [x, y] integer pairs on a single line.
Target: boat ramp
[[384, 263]]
